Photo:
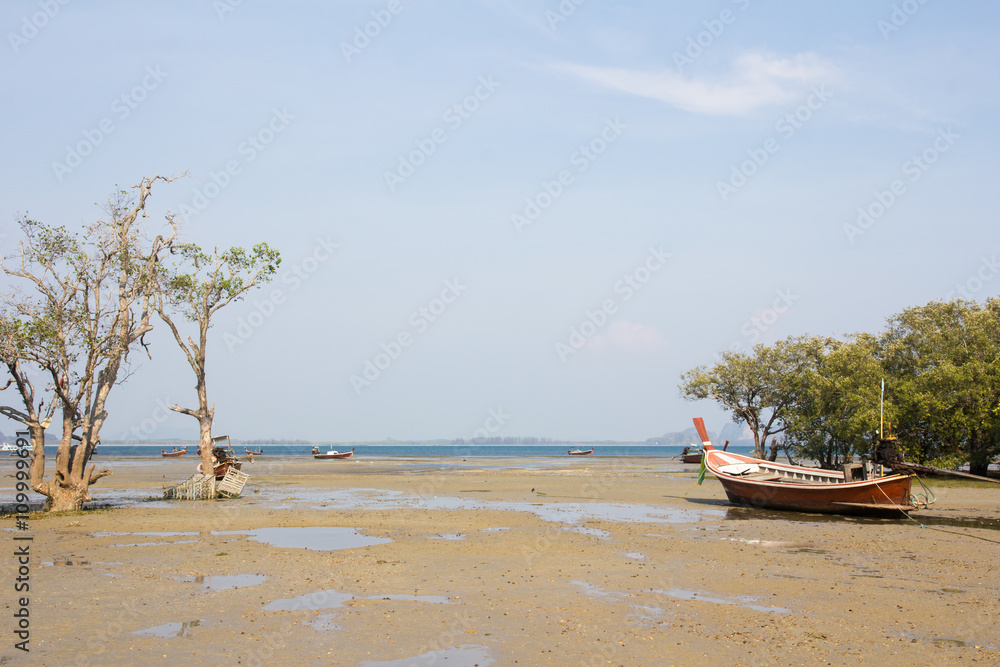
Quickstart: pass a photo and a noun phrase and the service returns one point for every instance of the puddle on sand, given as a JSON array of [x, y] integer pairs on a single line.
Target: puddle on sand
[[310, 601], [597, 591], [314, 538], [568, 513], [448, 536], [774, 544], [330, 599], [496, 529], [635, 555], [168, 630], [644, 613], [323, 623], [739, 601], [460, 656], [225, 582]]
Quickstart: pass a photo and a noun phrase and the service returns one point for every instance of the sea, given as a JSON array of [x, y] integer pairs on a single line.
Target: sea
[[420, 451]]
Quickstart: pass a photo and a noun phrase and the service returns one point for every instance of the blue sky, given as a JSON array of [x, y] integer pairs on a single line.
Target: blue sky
[[545, 210]]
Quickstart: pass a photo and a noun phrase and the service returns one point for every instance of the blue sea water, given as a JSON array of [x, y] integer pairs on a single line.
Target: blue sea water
[[421, 451]]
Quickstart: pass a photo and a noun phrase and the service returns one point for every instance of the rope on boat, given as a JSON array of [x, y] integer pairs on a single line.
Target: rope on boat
[[928, 495]]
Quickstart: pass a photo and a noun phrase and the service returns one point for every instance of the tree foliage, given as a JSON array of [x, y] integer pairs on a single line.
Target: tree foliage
[[194, 286], [759, 388], [83, 304], [941, 366]]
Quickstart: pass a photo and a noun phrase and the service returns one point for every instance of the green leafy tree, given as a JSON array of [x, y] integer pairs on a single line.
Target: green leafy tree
[[193, 286], [835, 414], [760, 388], [944, 363]]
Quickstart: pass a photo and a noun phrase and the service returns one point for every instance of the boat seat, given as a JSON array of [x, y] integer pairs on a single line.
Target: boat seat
[[763, 476]]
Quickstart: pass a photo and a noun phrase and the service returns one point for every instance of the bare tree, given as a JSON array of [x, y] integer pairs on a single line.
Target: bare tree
[[88, 303], [196, 287]]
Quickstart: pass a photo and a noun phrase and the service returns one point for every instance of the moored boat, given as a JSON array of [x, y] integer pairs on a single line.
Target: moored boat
[[332, 454], [175, 452], [249, 453], [580, 452], [760, 483], [688, 456]]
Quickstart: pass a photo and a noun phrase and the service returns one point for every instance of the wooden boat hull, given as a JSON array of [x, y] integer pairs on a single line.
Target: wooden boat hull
[[580, 453], [691, 458], [334, 455], [173, 454], [249, 453], [759, 483]]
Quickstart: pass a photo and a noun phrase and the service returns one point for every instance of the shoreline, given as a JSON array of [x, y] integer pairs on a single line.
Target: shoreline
[[578, 561]]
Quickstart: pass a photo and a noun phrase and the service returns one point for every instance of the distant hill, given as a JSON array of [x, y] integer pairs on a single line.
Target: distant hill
[[737, 434]]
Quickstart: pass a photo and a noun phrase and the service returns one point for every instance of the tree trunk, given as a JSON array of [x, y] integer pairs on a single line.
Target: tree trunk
[[67, 498], [205, 427]]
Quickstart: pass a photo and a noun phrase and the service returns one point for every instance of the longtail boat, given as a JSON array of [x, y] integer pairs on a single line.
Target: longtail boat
[[249, 453], [332, 454], [175, 452], [688, 456], [760, 483], [580, 452]]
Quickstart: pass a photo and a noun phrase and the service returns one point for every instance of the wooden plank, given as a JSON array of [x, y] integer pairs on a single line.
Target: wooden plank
[[233, 483]]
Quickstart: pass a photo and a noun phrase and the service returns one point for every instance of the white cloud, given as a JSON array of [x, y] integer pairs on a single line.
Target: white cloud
[[756, 80], [629, 336]]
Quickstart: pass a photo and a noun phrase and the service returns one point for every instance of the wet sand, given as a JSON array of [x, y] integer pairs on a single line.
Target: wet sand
[[595, 561]]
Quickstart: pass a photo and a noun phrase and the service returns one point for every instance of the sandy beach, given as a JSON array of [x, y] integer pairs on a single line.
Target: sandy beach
[[597, 561]]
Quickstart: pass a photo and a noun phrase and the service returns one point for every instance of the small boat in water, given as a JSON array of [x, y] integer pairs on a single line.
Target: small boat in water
[[760, 483], [580, 452], [14, 450], [249, 453], [689, 456], [175, 452], [332, 454]]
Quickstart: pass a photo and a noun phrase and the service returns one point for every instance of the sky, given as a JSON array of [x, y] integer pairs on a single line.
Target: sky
[[511, 217]]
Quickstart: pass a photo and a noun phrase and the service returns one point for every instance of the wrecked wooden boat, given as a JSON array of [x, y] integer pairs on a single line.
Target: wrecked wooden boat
[[855, 490]]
